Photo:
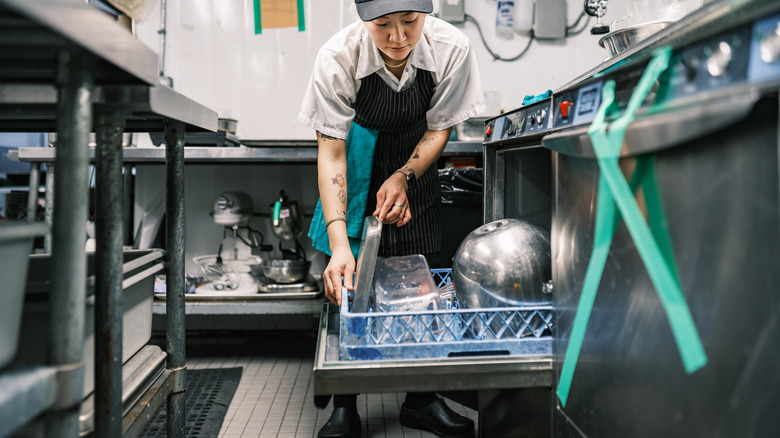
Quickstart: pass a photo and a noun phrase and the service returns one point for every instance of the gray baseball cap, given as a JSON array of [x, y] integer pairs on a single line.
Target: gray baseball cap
[[373, 9]]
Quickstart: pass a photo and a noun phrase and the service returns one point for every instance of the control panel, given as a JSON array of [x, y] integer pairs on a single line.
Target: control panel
[[530, 119]]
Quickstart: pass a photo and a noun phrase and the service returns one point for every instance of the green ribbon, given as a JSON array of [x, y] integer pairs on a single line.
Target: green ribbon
[[652, 243]]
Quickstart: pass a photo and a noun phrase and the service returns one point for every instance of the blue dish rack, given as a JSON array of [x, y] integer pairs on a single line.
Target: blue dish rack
[[444, 333]]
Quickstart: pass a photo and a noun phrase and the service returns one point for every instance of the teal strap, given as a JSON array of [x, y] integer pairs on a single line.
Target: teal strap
[[653, 247]]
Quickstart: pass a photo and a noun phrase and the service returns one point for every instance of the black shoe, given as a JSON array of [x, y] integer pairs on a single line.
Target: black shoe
[[343, 423], [322, 400], [438, 418]]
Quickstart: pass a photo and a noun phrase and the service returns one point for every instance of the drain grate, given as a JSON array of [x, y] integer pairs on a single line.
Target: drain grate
[[209, 392]]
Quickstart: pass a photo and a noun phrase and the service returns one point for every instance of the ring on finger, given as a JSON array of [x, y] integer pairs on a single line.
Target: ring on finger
[[398, 205]]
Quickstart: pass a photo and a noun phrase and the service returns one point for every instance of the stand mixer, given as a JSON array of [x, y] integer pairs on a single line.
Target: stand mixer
[[231, 269], [291, 271]]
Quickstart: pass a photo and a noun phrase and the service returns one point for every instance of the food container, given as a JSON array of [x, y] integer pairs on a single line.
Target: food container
[[15, 245], [138, 269], [403, 284], [447, 332]]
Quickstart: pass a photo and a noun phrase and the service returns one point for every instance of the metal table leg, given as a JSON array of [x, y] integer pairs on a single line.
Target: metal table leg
[[32, 194], [174, 218], [66, 335], [108, 273], [49, 210]]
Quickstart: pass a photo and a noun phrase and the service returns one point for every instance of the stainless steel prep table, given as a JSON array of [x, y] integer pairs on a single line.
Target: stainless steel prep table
[[61, 61]]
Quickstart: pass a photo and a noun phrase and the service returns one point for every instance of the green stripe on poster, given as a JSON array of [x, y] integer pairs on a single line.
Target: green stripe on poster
[[258, 18], [301, 18]]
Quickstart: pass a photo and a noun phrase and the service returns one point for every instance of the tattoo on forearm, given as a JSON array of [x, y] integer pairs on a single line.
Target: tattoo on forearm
[[326, 137], [342, 196], [341, 212], [338, 180], [426, 140], [416, 153]]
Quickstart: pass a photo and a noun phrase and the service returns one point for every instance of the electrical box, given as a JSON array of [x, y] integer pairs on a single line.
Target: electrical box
[[452, 11], [550, 19]]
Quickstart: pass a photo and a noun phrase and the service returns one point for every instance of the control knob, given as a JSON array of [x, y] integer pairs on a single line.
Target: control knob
[[770, 46], [719, 60]]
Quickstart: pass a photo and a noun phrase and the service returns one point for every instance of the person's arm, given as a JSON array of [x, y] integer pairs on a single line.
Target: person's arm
[[393, 191], [332, 182]]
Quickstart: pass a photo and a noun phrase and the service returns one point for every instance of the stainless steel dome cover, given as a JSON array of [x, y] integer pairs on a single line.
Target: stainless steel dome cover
[[505, 263]]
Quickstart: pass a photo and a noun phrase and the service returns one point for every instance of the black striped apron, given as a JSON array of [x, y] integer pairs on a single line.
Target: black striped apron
[[400, 119]]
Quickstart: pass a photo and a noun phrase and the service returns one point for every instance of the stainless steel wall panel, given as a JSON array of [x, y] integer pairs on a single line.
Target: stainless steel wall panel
[[720, 196]]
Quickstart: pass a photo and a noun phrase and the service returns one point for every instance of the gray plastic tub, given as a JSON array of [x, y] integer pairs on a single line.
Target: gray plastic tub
[[15, 244], [138, 268]]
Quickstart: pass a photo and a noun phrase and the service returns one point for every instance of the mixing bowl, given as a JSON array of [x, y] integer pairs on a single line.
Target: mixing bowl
[[286, 271], [505, 263]]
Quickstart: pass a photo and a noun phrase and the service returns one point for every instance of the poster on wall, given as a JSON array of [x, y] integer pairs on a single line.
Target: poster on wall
[[278, 13]]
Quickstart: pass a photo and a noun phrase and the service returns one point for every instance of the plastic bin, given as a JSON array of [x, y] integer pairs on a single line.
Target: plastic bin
[[444, 333], [15, 244], [138, 268]]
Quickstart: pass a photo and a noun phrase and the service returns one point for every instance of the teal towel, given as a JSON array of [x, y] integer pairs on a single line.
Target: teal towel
[[527, 100], [360, 156]]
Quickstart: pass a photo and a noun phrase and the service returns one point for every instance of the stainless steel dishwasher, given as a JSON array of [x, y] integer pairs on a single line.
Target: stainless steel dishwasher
[[699, 163]]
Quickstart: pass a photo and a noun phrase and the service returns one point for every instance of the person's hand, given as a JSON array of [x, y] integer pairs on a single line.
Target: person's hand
[[342, 264], [392, 205]]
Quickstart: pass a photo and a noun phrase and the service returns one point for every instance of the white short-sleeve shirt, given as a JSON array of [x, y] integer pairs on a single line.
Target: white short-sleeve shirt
[[351, 55]]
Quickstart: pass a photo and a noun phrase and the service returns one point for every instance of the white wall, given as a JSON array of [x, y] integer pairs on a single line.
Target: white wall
[[214, 57]]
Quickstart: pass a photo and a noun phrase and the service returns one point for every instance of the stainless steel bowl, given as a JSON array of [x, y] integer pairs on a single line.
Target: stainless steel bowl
[[623, 39], [505, 263], [286, 271]]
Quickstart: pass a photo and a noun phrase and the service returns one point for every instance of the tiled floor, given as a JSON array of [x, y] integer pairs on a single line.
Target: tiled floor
[[275, 397]]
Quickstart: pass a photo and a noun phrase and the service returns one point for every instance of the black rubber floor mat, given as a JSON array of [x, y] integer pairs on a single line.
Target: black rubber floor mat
[[208, 396]]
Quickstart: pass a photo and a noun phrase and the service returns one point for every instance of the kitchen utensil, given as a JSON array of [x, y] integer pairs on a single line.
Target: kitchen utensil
[[369, 247], [286, 271], [505, 263], [623, 39]]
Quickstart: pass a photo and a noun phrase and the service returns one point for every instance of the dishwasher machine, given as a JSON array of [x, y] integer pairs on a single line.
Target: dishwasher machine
[[666, 233]]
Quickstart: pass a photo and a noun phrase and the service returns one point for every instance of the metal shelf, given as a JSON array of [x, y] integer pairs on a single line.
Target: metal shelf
[[309, 306], [34, 32], [61, 63], [302, 151], [33, 107], [26, 393]]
